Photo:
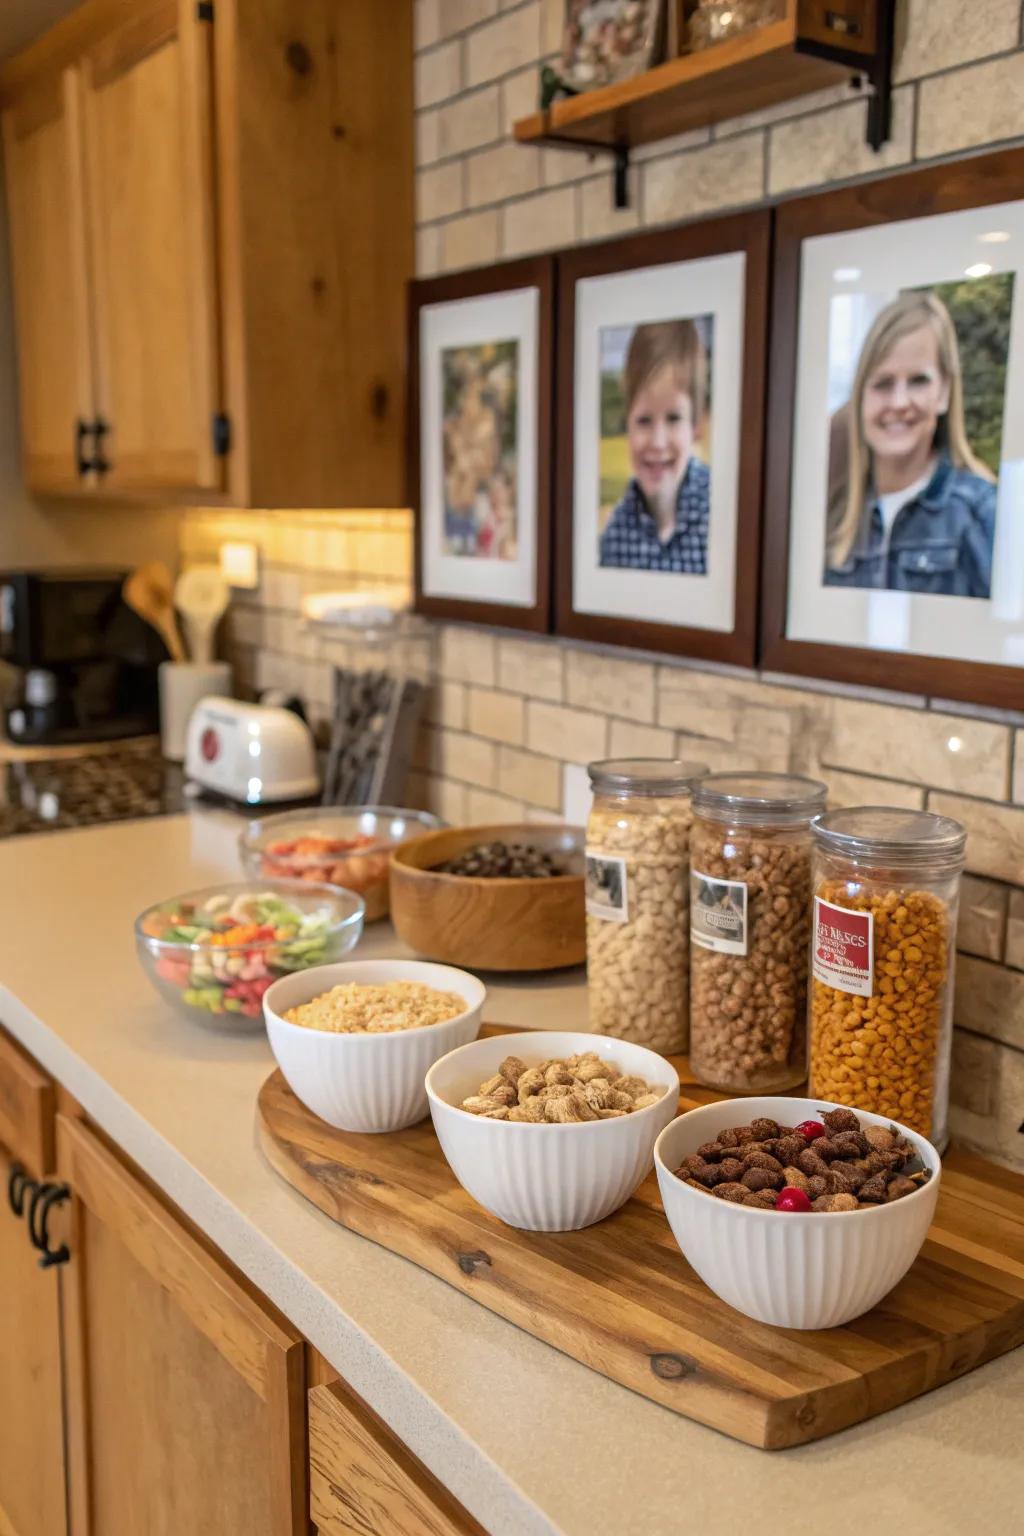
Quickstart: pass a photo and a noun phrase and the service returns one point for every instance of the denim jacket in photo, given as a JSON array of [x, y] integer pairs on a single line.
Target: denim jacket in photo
[[941, 542]]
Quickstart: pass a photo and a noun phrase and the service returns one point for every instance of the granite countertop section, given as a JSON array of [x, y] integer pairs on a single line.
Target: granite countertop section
[[115, 782], [531, 1442]]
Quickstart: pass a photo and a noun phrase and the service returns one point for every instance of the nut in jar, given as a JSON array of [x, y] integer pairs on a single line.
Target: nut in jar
[[886, 884], [750, 879], [637, 894]]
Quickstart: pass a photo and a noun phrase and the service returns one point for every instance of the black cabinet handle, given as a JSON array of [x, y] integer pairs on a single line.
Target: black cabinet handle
[[97, 430], [19, 1187], [44, 1199]]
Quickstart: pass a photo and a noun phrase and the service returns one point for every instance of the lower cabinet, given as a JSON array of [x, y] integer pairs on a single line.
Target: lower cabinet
[[185, 1398], [363, 1480], [144, 1389], [31, 1417]]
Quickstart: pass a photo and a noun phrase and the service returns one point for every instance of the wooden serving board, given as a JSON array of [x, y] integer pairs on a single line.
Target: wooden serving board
[[620, 1298]]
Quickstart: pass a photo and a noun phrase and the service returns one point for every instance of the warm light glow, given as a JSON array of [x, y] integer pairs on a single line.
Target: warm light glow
[[995, 237], [239, 564], [954, 743], [978, 269]]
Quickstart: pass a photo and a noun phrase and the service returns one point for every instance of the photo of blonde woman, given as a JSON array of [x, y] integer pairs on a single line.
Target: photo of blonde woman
[[911, 504]]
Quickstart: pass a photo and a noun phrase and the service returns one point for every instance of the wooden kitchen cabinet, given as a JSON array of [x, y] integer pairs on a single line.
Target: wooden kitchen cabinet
[[185, 1397], [365, 1482], [42, 157], [212, 229], [31, 1421]]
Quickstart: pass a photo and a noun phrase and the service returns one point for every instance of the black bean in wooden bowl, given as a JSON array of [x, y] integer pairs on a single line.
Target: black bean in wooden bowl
[[504, 861]]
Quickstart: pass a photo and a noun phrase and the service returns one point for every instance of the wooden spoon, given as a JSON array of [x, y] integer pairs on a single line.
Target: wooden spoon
[[148, 591]]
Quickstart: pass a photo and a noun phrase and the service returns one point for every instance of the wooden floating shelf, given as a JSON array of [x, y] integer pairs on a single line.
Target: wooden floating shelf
[[745, 74]]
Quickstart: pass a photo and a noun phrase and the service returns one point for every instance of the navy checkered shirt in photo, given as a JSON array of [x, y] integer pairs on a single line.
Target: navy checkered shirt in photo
[[631, 537]]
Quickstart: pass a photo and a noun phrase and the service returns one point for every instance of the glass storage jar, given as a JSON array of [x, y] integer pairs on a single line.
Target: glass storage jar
[[637, 892], [886, 890], [715, 20], [750, 918]]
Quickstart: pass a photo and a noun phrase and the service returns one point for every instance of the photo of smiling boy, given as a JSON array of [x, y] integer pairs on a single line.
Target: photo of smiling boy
[[659, 396]]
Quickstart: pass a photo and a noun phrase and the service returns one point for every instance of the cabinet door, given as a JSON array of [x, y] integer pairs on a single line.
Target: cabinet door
[[43, 160], [31, 1418], [364, 1482], [147, 114], [184, 1397]]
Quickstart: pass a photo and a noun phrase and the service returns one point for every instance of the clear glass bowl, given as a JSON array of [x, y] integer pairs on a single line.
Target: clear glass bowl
[[279, 926], [348, 846]]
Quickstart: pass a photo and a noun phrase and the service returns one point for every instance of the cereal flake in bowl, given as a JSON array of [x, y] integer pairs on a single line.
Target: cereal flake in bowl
[[369, 1078], [355, 1007]]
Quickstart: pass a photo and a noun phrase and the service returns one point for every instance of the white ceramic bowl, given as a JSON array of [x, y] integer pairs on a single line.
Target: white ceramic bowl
[[366, 1082], [547, 1178], [813, 1269]]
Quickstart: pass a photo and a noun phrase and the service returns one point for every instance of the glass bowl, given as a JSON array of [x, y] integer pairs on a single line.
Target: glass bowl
[[347, 845], [213, 953]]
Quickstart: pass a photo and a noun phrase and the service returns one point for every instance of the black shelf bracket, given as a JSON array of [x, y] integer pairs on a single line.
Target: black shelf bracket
[[875, 67], [621, 176]]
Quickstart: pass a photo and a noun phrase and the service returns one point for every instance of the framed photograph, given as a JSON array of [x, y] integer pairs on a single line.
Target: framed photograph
[[894, 548], [481, 368], [662, 341]]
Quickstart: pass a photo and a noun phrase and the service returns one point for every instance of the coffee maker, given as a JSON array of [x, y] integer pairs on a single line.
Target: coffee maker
[[85, 665]]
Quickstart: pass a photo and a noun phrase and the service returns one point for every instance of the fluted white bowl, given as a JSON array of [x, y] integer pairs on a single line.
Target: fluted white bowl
[[366, 1082], [547, 1178], [814, 1269]]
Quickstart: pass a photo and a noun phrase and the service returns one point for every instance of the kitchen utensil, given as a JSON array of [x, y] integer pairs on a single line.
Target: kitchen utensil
[[297, 845], [200, 596], [490, 924], [254, 753], [794, 1270], [548, 1178], [182, 685], [367, 1082], [149, 592]]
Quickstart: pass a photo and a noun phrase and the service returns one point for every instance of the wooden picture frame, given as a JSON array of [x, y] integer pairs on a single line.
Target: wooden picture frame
[[524, 285], [742, 235], [968, 184]]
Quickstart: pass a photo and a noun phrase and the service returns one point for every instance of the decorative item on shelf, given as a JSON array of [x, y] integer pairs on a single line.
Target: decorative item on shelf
[[610, 40], [480, 442], [677, 27], [661, 356], [896, 435], [381, 656], [714, 21]]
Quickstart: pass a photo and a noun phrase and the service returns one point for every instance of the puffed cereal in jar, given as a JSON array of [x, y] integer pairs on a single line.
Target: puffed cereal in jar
[[750, 899], [886, 890], [637, 892]]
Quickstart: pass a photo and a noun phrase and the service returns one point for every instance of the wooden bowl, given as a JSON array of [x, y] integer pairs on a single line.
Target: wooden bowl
[[490, 925]]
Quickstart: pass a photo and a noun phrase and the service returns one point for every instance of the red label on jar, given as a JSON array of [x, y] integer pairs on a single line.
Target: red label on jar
[[844, 948]]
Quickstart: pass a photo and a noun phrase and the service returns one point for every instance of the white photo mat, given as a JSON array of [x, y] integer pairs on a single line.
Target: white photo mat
[[512, 316], [884, 260], [715, 286]]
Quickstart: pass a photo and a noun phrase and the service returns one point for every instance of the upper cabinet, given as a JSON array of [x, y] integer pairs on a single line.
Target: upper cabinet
[[212, 229], [42, 150]]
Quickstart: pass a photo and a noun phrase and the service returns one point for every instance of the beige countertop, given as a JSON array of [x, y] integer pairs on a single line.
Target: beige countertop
[[528, 1440]]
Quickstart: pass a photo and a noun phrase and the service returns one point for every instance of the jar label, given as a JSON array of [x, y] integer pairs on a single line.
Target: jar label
[[718, 913], [844, 948], [606, 886]]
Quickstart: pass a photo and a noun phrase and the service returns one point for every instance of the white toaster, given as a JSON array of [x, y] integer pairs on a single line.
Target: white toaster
[[254, 753]]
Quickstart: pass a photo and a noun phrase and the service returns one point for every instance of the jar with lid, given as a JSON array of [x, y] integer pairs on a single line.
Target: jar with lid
[[637, 894], [750, 919], [714, 21], [886, 890]]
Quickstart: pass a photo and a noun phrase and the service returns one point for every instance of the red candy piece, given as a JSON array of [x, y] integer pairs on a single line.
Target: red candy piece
[[792, 1199], [811, 1129]]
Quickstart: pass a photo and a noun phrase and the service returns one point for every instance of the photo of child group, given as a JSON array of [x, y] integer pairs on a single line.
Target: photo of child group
[[480, 396], [917, 387], [655, 462]]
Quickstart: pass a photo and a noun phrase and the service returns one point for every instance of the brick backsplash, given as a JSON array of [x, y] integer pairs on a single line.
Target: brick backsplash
[[508, 715]]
